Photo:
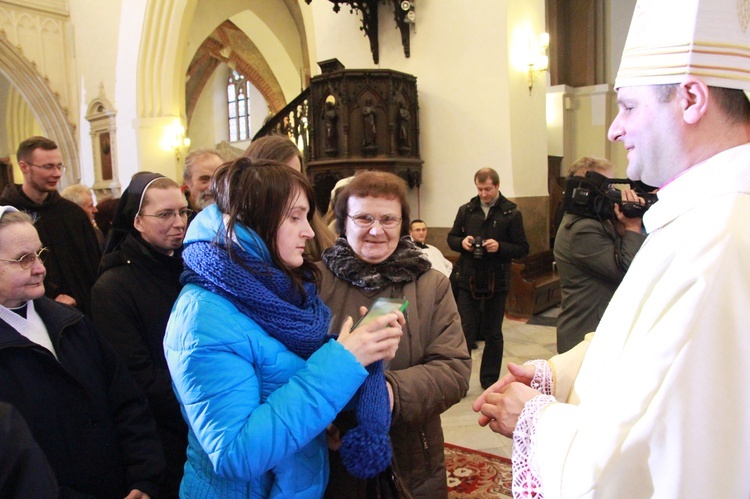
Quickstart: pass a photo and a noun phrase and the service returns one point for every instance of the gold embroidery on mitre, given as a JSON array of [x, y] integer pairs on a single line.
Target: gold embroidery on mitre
[[743, 13]]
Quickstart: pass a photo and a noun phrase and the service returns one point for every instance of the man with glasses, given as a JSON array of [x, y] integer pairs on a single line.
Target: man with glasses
[[488, 232], [63, 226], [139, 283]]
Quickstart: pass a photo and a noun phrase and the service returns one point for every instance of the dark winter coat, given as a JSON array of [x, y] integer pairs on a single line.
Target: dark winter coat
[[429, 374], [131, 303], [67, 231], [24, 470], [84, 410], [504, 224], [592, 260]]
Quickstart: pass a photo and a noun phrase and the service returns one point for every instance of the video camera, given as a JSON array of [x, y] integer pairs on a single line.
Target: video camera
[[594, 196]]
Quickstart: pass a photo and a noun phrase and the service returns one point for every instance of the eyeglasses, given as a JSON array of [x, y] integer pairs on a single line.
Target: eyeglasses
[[27, 260], [49, 166], [167, 216], [365, 221]]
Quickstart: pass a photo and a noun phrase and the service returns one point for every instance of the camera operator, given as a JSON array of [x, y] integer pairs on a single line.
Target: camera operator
[[488, 232], [592, 255]]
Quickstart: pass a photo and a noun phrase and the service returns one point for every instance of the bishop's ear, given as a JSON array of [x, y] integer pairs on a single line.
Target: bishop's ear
[[693, 95]]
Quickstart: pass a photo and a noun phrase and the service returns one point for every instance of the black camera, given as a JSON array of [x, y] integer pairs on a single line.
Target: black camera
[[594, 196], [477, 247]]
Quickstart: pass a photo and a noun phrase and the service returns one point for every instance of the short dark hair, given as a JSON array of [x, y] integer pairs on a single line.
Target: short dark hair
[[27, 147], [487, 173], [416, 221], [731, 101], [377, 184], [257, 194], [665, 93]]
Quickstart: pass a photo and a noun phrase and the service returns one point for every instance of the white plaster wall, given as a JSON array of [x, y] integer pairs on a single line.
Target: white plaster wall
[[528, 124], [95, 34], [468, 95], [209, 115], [619, 13], [131, 20]]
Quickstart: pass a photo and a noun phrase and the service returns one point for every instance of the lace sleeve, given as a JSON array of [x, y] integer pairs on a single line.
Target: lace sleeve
[[542, 381], [526, 481]]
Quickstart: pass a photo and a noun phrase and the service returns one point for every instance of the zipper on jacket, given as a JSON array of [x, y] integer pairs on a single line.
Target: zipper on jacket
[[425, 444]]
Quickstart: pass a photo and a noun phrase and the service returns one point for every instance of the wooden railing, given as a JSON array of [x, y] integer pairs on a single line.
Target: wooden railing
[[292, 121]]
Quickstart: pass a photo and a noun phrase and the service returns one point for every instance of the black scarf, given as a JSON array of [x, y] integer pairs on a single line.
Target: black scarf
[[405, 264]]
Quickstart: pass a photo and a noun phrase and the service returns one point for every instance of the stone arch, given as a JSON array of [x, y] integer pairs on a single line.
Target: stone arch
[[232, 46], [161, 87], [43, 102]]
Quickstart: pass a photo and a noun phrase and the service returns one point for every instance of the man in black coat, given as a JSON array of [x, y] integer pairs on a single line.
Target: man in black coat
[[63, 226], [488, 232]]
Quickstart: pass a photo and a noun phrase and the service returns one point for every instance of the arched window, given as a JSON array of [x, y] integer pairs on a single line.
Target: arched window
[[238, 105]]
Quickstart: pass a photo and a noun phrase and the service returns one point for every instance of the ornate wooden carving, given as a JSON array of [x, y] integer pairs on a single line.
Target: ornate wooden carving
[[366, 120]]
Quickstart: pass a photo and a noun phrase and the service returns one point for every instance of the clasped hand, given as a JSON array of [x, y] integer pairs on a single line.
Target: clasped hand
[[501, 404], [377, 340]]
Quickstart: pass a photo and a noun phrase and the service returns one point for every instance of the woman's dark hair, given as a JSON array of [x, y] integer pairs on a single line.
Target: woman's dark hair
[[275, 147], [376, 184], [105, 213], [258, 194]]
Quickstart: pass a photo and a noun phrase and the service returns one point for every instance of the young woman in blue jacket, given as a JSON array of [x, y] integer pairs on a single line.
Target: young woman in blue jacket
[[258, 377]]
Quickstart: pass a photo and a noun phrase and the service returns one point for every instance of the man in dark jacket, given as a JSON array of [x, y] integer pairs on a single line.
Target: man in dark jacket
[[488, 232], [63, 226]]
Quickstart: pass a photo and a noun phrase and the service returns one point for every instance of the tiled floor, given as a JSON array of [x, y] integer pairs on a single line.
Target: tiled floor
[[522, 342]]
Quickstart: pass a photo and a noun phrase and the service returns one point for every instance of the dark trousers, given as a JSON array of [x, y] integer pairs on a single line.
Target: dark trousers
[[484, 317]]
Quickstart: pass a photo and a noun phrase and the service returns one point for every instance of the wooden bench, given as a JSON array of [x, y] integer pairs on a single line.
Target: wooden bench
[[534, 286]]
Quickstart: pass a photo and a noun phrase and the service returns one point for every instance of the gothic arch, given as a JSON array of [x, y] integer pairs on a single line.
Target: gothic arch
[[161, 85], [43, 102], [232, 46]]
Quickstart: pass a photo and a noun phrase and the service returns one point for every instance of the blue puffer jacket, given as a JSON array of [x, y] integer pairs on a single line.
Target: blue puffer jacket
[[257, 412]]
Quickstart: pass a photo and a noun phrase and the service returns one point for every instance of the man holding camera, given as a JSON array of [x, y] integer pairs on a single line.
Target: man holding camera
[[592, 252], [488, 232]]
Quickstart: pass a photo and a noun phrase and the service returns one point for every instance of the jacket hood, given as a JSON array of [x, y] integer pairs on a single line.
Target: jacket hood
[[210, 226], [16, 197]]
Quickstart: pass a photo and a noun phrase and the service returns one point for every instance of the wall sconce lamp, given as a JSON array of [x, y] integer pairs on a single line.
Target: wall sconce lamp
[[538, 60], [176, 140]]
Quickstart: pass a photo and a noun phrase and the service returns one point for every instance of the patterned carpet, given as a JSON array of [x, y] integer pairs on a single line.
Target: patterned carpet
[[473, 473]]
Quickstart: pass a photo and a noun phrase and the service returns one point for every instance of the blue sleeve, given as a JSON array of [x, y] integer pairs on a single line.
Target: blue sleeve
[[216, 355]]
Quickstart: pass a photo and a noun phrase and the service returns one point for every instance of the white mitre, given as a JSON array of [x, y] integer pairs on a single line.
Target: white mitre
[[669, 39]]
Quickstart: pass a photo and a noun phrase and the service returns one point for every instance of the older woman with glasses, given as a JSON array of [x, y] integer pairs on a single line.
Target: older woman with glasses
[[138, 283], [431, 369], [80, 403]]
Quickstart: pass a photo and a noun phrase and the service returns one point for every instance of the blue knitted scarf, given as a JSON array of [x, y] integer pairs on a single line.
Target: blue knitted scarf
[[266, 295]]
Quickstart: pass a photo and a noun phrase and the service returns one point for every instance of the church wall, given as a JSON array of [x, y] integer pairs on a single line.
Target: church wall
[[96, 28], [475, 107]]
